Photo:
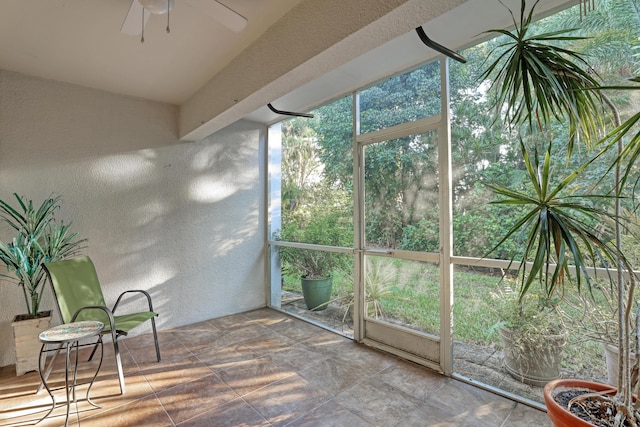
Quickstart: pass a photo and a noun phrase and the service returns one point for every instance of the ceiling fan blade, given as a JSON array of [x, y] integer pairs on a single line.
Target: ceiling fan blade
[[132, 24], [221, 13]]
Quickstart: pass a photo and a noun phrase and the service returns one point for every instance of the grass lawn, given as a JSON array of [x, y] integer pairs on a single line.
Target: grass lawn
[[409, 294]]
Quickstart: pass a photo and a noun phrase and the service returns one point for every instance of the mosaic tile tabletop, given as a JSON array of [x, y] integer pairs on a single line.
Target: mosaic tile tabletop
[[71, 331]]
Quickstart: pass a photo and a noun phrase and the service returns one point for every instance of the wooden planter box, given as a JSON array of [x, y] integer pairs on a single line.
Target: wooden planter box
[[25, 338]]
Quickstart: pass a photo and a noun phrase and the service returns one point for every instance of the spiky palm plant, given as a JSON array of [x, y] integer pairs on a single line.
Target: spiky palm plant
[[536, 81], [557, 83], [559, 226]]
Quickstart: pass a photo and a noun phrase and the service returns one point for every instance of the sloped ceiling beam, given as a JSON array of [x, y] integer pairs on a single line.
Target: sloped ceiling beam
[[312, 39]]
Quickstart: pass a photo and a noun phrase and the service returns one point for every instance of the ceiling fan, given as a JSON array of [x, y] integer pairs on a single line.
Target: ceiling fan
[[141, 10]]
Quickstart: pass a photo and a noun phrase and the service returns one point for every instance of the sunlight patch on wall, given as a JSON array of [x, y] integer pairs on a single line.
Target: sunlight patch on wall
[[159, 274], [208, 189], [126, 169]]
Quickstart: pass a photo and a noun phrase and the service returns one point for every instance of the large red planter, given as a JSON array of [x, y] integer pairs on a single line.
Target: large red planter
[[559, 415]]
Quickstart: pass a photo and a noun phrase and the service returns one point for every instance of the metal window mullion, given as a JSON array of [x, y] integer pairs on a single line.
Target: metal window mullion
[[311, 246], [358, 223], [404, 129], [446, 228], [274, 214]]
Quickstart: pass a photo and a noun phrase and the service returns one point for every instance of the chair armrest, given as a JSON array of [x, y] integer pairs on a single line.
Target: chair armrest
[[146, 294], [112, 323]]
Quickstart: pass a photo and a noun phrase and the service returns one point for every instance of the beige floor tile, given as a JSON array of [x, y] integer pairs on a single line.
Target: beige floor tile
[[266, 317], [468, 405], [258, 368], [292, 328], [198, 339], [334, 377], [250, 375], [231, 322], [146, 412], [378, 402], [300, 357], [219, 358], [164, 375], [413, 380], [188, 400], [145, 340], [271, 342], [525, 416], [233, 414], [331, 414], [286, 400]]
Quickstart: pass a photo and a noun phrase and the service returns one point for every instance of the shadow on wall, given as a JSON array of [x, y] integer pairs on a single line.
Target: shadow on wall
[[192, 226], [183, 222]]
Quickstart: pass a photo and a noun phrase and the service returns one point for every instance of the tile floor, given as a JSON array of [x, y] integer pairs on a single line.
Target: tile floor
[[261, 368]]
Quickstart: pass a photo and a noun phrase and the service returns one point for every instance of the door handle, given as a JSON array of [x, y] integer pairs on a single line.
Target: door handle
[[378, 251]]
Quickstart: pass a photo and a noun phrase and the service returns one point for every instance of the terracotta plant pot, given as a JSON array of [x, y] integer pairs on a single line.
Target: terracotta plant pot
[[560, 416]]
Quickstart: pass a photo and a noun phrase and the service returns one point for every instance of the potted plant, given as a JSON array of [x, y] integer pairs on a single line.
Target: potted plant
[[556, 230], [315, 269], [537, 81], [593, 317], [532, 335], [39, 238], [315, 266]]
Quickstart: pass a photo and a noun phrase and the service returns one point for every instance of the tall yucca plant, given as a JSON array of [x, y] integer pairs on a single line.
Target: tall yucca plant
[[40, 238], [535, 81], [554, 82], [559, 227], [630, 152]]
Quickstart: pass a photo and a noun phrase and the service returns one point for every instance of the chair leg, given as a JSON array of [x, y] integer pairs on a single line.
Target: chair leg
[[155, 338], [95, 347], [116, 350], [119, 365]]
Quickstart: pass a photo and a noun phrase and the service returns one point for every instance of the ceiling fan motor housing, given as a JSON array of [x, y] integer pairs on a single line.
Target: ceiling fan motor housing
[[157, 7]]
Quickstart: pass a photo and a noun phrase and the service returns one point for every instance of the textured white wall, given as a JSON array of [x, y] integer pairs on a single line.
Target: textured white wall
[[182, 221]]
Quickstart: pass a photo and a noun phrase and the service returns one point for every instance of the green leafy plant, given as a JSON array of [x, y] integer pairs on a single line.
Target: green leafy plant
[[556, 83], [559, 226], [529, 317], [629, 152], [536, 80], [593, 316], [526, 313], [532, 334], [327, 229], [40, 238], [559, 235], [380, 278]]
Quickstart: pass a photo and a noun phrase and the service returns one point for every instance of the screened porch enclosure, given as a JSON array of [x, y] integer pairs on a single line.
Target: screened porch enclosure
[[389, 181]]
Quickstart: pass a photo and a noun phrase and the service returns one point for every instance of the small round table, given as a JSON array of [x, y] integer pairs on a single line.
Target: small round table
[[68, 335]]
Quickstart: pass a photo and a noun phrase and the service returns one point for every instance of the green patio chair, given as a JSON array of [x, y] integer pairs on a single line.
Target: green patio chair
[[79, 297]]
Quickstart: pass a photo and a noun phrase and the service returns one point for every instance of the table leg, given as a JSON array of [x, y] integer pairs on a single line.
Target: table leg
[[69, 384], [44, 378], [47, 372], [97, 370], [66, 380]]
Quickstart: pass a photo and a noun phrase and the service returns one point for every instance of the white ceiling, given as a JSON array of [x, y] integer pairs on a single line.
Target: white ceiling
[[294, 53], [79, 41]]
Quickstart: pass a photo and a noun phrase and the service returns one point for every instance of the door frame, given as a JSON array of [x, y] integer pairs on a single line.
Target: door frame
[[438, 353]]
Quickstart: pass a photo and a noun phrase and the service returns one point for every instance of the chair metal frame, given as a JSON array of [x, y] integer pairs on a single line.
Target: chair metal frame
[[109, 329]]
